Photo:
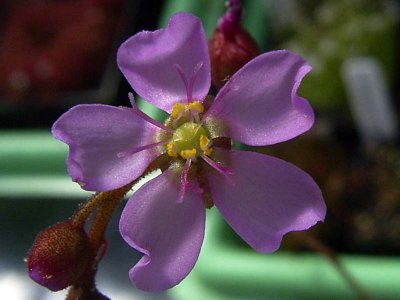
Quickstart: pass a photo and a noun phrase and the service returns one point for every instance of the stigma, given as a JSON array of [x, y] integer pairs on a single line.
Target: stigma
[[189, 141]]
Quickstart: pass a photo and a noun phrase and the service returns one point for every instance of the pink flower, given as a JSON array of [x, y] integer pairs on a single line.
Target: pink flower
[[261, 197]]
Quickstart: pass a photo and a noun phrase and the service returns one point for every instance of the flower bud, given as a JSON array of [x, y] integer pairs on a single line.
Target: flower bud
[[59, 256], [230, 46]]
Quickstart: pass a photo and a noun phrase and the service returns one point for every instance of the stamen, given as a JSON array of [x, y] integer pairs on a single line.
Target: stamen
[[195, 108], [208, 151], [226, 172], [138, 149], [188, 154], [171, 149], [178, 110], [184, 181], [205, 145], [145, 117]]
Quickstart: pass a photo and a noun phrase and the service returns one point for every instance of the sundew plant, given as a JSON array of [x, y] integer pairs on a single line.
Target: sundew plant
[[111, 148]]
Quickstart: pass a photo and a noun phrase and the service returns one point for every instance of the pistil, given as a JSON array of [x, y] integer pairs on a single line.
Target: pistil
[[189, 141]]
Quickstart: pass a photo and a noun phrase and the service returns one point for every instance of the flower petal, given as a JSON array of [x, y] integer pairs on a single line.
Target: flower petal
[[170, 234], [259, 104], [148, 60], [96, 134], [270, 198]]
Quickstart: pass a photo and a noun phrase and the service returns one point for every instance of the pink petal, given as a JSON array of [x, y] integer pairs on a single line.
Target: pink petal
[[168, 233], [148, 60], [96, 135], [270, 198], [259, 103]]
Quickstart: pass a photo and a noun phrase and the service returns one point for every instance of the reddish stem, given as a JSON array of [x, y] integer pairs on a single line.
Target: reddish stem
[[105, 202]]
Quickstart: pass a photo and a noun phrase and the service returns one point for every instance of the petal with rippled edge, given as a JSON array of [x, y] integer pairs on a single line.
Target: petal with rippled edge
[[259, 103], [168, 233], [149, 61], [269, 198], [96, 134]]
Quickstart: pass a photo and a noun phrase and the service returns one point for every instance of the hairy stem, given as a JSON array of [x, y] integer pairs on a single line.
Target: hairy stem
[[80, 217], [104, 213], [104, 205]]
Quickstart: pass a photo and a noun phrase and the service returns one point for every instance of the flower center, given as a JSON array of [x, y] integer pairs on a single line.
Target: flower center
[[189, 141]]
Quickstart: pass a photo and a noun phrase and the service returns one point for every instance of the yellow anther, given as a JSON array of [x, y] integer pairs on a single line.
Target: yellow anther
[[208, 151], [188, 153], [171, 149], [195, 106], [204, 142], [205, 145], [178, 110]]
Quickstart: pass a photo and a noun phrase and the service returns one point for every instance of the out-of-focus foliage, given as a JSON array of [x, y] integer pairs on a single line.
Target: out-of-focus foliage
[[328, 32]]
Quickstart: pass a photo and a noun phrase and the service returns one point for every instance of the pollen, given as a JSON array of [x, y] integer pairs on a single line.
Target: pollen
[[186, 111], [195, 107], [205, 145], [178, 110], [186, 154], [171, 149]]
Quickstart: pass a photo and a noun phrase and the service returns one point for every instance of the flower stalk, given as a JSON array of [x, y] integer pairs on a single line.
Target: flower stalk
[[80, 217], [104, 203], [104, 213]]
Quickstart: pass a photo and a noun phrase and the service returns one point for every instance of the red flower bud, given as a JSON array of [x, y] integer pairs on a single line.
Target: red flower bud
[[59, 256], [229, 53], [230, 46]]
